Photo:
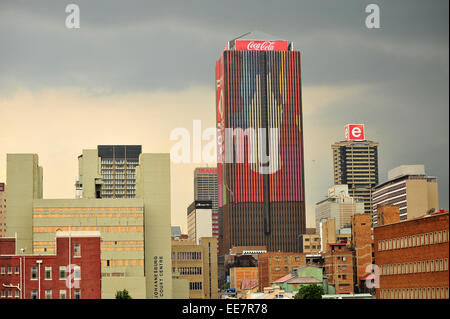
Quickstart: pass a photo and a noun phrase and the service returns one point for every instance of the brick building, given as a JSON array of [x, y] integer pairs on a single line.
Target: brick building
[[388, 214], [338, 267], [275, 265], [67, 274], [238, 275], [412, 256], [361, 244]]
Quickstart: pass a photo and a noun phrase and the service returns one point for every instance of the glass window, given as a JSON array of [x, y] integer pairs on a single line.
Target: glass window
[[62, 294], [34, 272], [77, 294], [77, 250], [48, 273], [3, 271], [62, 272], [48, 294]]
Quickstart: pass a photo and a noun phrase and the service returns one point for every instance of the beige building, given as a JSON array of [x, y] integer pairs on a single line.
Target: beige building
[[338, 205], [2, 209], [310, 243], [355, 163], [329, 234], [409, 188], [197, 264], [127, 262]]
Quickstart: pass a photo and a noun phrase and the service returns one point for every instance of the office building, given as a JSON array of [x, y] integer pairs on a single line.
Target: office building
[[200, 220], [355, 163], [2, 210], [409, 188], [133, 257], [260, 144], [338, 205], [116, 167], [205, 189], [198, 264], [35, 276], [412, 256]]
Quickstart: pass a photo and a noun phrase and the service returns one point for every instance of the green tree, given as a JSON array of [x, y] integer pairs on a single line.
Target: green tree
[[123, 294], [310, 292]]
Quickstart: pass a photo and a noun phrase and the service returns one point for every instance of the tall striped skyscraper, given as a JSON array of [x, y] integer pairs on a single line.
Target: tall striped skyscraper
[[260, 144]]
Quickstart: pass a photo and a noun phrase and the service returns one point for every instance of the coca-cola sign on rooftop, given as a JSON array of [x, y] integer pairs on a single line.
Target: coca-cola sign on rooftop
[[261, 45]]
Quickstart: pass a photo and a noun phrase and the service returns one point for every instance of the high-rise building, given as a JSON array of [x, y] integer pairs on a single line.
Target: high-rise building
[[205, 189], [260, 144], [409, 188], [355, 163], [338, 205], [116, 169], [2, 210]]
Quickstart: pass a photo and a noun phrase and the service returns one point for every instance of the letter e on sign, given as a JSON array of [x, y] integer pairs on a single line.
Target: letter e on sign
[[354, 132]]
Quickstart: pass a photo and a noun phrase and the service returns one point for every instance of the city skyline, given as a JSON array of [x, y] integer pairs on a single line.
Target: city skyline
[[83, 88]]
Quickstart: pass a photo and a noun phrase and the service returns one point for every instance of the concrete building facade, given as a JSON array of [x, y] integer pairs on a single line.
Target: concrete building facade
[[2, 210], [200, 220], [409, 188], [125, 224], [412, 256], [198, 264], [338, 205]]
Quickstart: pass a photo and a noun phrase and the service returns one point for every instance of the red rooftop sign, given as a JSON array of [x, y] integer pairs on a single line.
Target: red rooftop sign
[[206, 170], [261, 45], [354, 132]]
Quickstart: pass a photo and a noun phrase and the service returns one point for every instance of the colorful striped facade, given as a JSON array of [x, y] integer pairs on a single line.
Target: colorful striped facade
[[260, 90]]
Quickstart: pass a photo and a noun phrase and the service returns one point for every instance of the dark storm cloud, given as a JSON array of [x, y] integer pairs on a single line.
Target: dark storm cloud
[[145, 45], [126, 46]]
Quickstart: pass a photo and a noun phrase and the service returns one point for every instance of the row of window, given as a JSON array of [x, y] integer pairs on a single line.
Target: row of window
[[190, 270], [122, 248], [34, 294], [85, 209], [189, 255], [98, 215], [436, 237], [122, 262], [105, 229], [48, 272], [312, 247], [415, 267], [415, 293], [195, 286]]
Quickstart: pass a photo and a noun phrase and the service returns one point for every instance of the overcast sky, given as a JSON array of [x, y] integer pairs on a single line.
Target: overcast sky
[[136, 70]]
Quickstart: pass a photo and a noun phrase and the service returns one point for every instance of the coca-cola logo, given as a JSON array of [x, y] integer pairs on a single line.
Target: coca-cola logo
[[261, 46]]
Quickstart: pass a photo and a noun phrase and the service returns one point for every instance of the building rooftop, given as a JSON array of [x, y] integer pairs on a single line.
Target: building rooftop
[[305, 280], [77, 234]]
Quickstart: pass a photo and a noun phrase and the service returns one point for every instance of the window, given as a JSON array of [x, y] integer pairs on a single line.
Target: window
[[77, 294], [34, 294], [16, 270], [48, 273], [34, 272], [9, 270], [62, 273], [77, 250], [431, 239], [3, 271], [77, 272], [62, 294], [17, 294], [48, 294], [9, 293], [195, 286], [444, 234]]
